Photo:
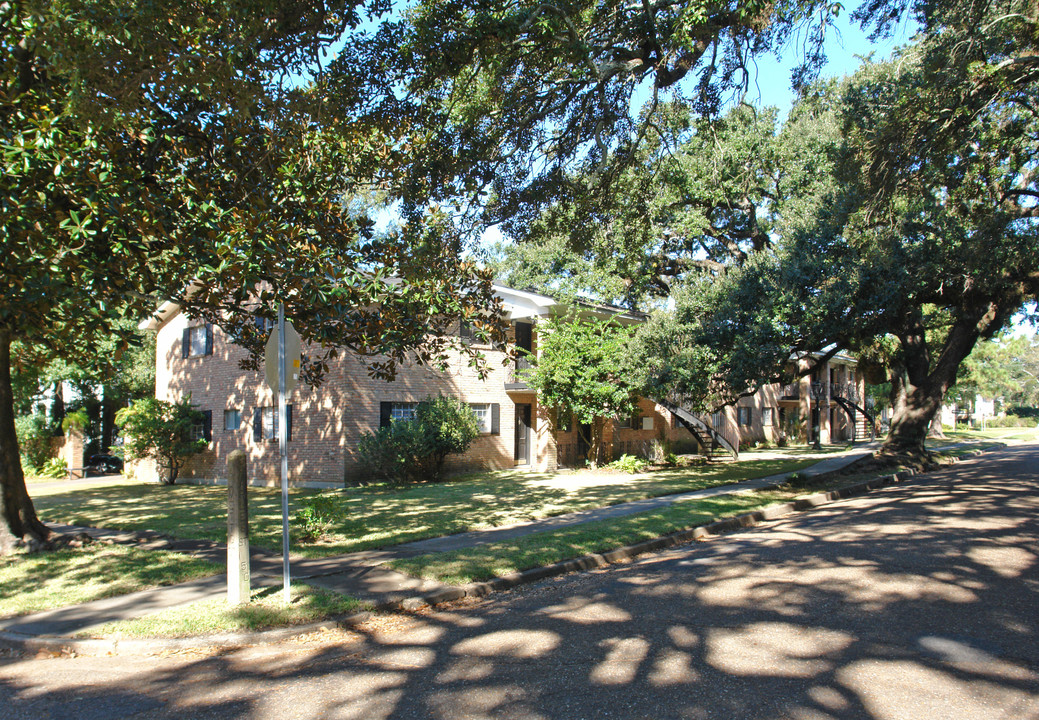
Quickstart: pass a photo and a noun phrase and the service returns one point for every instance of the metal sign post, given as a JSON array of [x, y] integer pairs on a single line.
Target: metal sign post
[[283, 446], [282, 366]]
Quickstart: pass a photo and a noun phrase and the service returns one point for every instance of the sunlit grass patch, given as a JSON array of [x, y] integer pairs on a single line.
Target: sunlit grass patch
[[382, 516], [499, 559], [1024, 434], [265, 610], [43, 581]]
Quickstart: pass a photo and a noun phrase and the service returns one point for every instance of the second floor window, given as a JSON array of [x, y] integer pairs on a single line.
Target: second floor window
[[197, 341]]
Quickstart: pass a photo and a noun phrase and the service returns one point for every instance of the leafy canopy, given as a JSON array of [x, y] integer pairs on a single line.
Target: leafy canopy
[[582, 367], [162, 431]]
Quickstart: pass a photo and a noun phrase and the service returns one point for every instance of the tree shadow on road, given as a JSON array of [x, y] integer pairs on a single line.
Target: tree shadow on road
[[915, 602]]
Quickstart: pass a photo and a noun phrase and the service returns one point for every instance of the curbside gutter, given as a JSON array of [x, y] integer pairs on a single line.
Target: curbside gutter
[[151, 646]]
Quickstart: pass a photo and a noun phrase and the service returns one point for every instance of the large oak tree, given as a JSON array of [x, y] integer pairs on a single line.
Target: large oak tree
[[196, 152]]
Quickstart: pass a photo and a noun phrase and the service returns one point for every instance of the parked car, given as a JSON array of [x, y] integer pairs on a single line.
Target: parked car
[[104, 464]]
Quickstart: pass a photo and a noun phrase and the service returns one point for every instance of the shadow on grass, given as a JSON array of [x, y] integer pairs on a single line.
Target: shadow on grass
[[31, 583], [381, 516]]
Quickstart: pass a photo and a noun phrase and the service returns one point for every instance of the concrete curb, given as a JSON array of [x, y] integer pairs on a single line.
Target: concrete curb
[[701, 533]]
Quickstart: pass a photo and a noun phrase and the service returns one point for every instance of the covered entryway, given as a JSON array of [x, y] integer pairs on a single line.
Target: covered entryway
[[523, 421]]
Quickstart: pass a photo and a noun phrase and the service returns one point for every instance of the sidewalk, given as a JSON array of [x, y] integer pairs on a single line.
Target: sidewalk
[[359, 575]]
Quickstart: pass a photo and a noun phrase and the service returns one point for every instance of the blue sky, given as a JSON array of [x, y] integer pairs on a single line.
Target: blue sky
[[846, 46]]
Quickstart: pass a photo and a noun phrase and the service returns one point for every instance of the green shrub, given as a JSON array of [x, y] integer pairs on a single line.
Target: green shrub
[[392, 453], [316, 516], [34, 440], [54, 468], [415, 450], [161, 430], [630, 464], [797, 480], [1010, 421]]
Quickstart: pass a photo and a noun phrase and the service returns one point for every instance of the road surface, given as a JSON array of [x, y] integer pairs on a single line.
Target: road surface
[[916, 602]]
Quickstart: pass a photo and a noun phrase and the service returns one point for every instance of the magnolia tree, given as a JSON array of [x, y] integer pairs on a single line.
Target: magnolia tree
[[582, 369], [157, 152]]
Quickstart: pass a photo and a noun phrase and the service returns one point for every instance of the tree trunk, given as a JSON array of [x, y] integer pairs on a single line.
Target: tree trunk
[[110, 404], [58, 406], [595, 443], [937, 431], [18, 521], [925, 383], [911, 422]]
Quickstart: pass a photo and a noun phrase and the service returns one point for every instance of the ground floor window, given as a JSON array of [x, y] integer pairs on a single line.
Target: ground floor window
[[232, 419], [391, 412], [766, 417], [743, 415], [203, 430], [487, 414], [265, 423]]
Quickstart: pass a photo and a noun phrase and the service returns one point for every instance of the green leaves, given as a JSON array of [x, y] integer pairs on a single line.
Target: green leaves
[[583, 367], [162, 431]]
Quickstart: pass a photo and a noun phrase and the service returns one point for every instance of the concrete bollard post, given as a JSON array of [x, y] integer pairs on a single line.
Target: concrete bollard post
[[238, 586]]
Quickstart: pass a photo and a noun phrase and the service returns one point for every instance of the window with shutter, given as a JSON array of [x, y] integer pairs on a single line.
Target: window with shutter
[[484, 416], [265, 423], [197, 341]]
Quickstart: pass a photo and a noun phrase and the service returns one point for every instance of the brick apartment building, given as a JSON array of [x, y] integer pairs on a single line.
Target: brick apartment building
[[326, 423]]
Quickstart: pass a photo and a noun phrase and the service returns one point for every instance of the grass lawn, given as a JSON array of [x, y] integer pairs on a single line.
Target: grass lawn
[[498, 559], [1012, 433], [265, 610], [42, 581], [382, 516]]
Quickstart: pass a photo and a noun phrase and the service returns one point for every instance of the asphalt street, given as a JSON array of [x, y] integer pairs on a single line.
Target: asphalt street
[[918, 601]]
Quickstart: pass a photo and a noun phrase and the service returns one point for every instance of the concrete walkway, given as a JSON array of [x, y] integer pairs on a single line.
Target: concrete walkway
[[359, 575]]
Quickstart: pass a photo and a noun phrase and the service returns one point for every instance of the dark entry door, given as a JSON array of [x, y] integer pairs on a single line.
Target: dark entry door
[[584, 432], [522, 454]]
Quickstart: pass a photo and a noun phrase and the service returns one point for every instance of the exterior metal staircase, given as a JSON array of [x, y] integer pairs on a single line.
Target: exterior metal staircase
[[848, 398], [713, 443]]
